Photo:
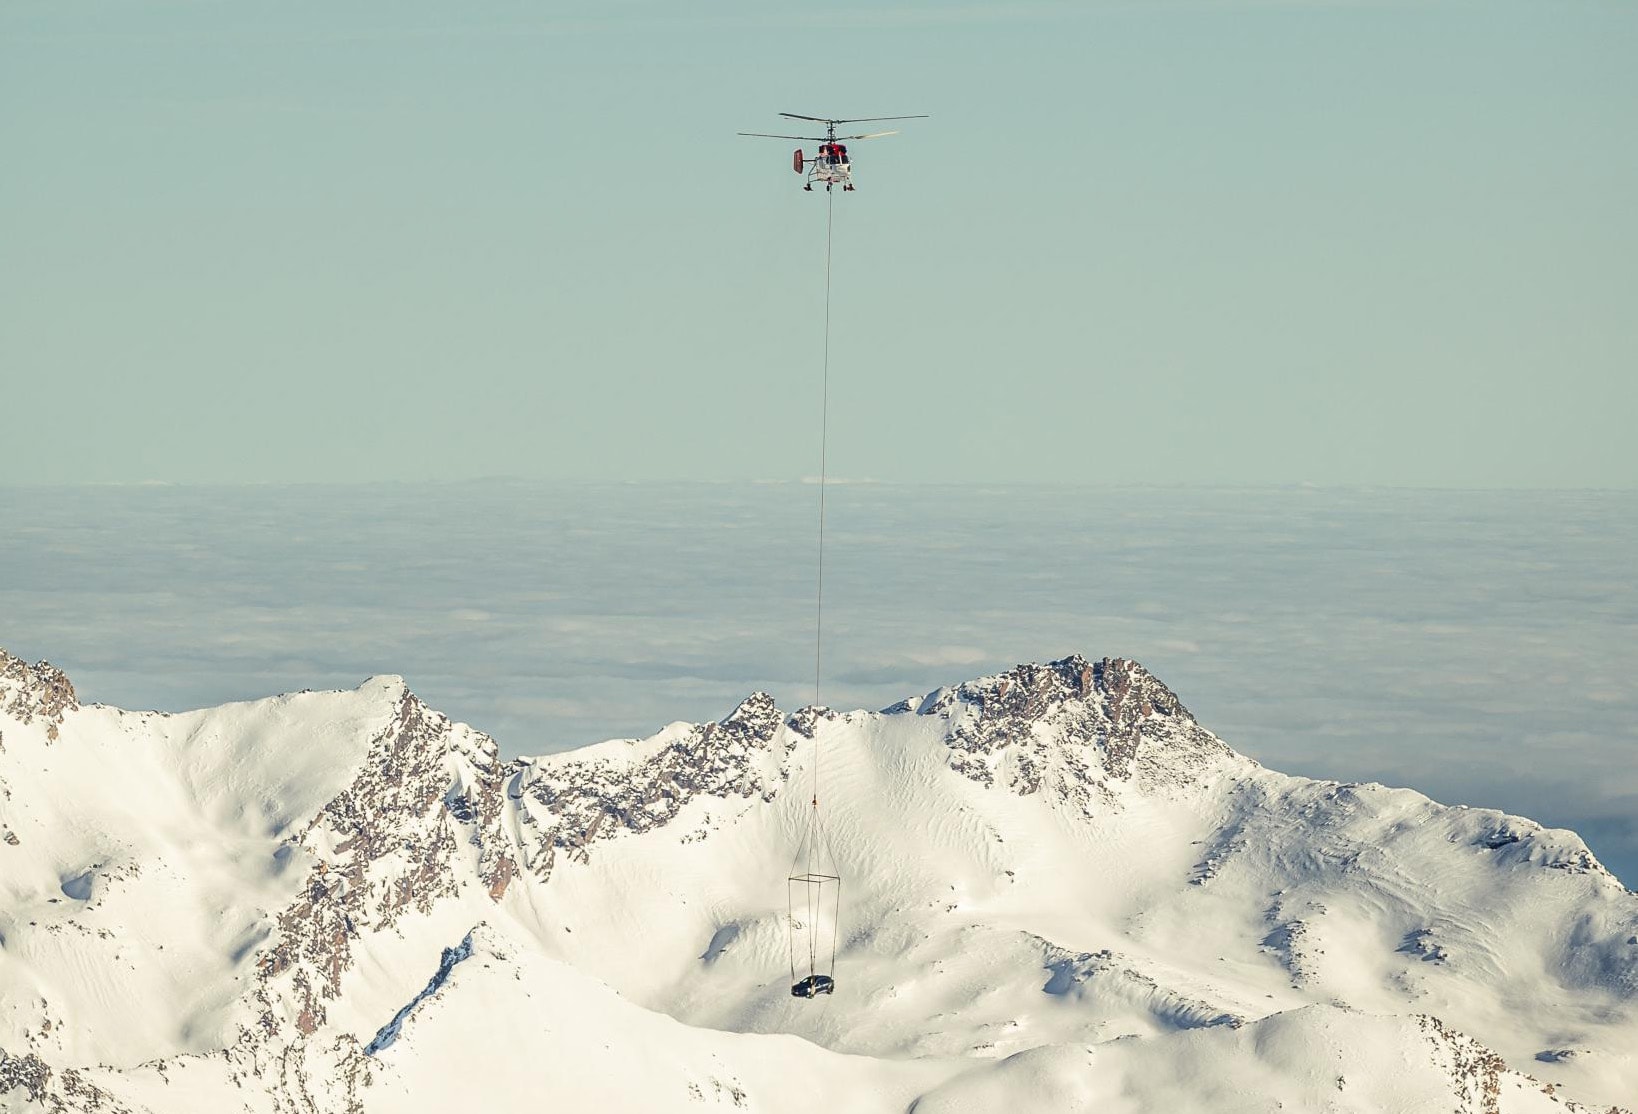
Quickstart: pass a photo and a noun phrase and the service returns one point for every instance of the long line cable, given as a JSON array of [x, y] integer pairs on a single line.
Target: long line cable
[[824, 435], [824, 439], [814, 898], [811, 884]]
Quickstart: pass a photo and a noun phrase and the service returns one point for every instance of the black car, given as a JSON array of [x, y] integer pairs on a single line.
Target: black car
[[813, 986]]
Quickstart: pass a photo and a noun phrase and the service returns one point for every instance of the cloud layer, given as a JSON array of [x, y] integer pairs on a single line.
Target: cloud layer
[[1479, 646]]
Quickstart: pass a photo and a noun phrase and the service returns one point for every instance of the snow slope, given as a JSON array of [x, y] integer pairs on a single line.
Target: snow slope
[[1059, 893]]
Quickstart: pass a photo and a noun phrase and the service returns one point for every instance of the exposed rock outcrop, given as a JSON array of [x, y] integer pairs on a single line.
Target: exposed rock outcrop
[[35, 692], [1073, 723]]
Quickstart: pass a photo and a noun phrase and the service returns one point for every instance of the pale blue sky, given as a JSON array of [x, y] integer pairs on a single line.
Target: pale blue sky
[[1182, 243]]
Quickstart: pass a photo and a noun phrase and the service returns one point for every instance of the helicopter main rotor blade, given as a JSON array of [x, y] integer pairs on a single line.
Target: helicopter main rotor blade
[[872, 135], [853, 120], [873, 119], [804, 138]]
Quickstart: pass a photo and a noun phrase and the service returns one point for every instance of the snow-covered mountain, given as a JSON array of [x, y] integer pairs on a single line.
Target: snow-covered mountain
[[1060, 892]]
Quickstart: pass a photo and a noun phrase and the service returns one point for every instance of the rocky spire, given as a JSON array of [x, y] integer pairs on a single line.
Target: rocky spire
[[39, 691]]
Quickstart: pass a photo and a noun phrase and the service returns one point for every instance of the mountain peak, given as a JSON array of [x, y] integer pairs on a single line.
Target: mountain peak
[[425, 799], [756, 715], [1113, 706], [387, 684], [1126, 689]]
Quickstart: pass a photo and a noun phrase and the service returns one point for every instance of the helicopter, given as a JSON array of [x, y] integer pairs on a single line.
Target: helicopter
[[831, 165]]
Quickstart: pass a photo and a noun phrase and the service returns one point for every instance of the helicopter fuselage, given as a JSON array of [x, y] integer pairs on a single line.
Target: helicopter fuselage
[[830, 166], [834, 172]]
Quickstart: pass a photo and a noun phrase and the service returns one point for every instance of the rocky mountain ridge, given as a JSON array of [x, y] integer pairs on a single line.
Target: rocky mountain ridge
[[419, 835]]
